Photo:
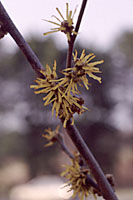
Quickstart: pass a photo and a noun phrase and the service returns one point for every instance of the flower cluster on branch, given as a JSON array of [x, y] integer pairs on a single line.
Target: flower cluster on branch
[[63, 92], [77, 175], [52, 136], [64, 25]]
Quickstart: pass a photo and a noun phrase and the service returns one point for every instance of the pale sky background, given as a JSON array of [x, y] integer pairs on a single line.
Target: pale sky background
[[103, 21]]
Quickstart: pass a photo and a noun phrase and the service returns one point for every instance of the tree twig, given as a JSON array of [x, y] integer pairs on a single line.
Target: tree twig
[[63, 146], [73, 37], [83, 6]]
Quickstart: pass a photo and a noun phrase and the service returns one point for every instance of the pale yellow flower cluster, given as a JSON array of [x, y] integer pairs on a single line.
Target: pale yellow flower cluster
[[51, 136], [63, 105], [77, 74], [63, 92], [84, 65], [65, 25], [77, 176]]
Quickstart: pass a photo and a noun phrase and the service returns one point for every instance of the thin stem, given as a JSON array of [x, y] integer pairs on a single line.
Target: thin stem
[[69, 54], [73, 37], [23, 45], [63, 146], [84, 2]]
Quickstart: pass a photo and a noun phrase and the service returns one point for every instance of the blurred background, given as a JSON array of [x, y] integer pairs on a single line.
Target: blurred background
[[26, 167]]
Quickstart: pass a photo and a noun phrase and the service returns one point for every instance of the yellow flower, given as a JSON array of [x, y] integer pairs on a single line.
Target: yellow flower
[[52, 136], [63, 92], [72, 79], [70, 82], [77, 177], [64, 106], [47, 85], [64, 25], [76, 75], [69, 106], [85, 66]]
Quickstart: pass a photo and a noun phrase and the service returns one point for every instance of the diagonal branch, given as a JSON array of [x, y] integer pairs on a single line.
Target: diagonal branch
[[106, 189]]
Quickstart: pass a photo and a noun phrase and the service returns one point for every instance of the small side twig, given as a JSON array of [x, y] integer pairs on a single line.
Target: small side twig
[[63, 146], [73, 37], [89, 180], [83, 6]]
